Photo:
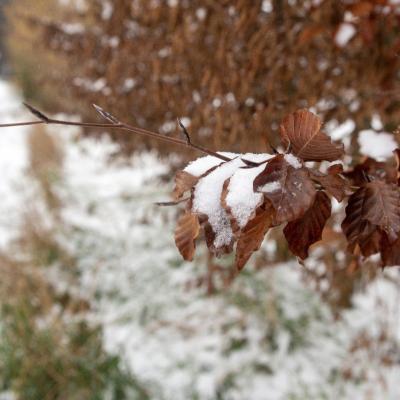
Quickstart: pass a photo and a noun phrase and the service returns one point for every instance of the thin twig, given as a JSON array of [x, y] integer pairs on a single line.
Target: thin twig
[[115, 124], [171, 203], [185, 131]]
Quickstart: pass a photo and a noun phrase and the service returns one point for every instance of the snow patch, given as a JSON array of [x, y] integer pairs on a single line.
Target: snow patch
[[376, 145], [344, 34], [270, 187], [293, 161]]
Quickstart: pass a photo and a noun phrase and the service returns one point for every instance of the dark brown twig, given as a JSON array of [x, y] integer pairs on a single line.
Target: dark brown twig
[[184, 130], [171, 203], [115, 124]]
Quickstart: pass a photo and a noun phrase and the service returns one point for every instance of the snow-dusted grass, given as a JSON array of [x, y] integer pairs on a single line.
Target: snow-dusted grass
[[267, 337]]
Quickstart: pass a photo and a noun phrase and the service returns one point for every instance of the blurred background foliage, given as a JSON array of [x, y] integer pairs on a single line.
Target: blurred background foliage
[[231, 69]]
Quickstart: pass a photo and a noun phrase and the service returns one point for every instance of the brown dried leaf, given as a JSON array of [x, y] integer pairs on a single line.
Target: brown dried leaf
[[358, 230], [370, 169], [186, 232], [332, 182], [303, 232], [397, 156], [335, 169], [253, 234], [382, 207], [183, 183], [289, 189], [234, 224], [390, 252], [371, 210], [301, 130]]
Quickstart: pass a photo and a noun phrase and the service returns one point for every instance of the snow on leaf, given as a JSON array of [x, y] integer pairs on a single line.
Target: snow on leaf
[[207, 201], [203, 164], [240, 199], [270, 187], [301, 130], [252, 235], [290, 190], [186, 232], [293, 161], [305, 231]]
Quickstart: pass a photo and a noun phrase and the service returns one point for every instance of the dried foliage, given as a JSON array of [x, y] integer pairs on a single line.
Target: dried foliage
[[234, 67], [301, 130], [240, 199], [305, 231], [187, 230]]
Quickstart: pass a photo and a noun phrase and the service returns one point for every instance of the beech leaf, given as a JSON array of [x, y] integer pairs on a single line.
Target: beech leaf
[[372, 210], [183, 183], [301, 130], [390, 253], [332, 182], [289, 189], [305, 231], [370, 169], [186, 232], [382, 207], [252, 235], [397, 155]]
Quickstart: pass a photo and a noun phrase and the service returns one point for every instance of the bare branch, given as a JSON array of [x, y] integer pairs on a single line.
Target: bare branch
[[184, 131], [171, 203], [37, 113], [106, 115], [115, 124]]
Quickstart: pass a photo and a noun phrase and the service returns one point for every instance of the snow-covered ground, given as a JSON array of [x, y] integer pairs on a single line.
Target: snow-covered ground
[[13, 160], [267, 337]]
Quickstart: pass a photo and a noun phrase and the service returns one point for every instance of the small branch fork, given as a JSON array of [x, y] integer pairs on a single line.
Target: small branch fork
[[114, 123]]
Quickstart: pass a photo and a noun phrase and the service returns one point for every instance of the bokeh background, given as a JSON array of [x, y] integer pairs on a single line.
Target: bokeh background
[[95, 300]]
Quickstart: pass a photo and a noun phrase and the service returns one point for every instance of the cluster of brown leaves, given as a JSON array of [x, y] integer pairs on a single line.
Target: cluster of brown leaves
[[291, 193], [288, 192], [372, 223]]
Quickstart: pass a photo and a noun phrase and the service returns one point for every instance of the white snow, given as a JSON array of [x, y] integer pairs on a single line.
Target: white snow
[[344, 34], [207, 200], [268, 336], [293, 161], [203, 164], [339, 132], [270, 187], [266, 6], [13, 160], [376, 145], [241, 198]]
